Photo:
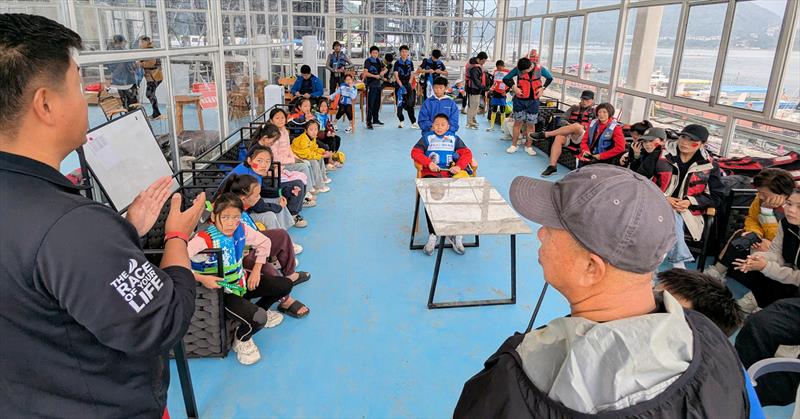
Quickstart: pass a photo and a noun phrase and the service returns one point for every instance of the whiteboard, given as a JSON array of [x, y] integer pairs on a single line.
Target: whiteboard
[[125, 158]]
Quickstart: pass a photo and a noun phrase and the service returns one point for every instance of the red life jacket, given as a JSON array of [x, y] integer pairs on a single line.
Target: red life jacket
[[584, 118], [499, 86], [530, 83], [469, 79]]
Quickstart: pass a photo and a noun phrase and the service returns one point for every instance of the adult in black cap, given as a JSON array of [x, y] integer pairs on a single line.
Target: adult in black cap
[[690, 179], [578, 119], [86, 320], [625, 351]]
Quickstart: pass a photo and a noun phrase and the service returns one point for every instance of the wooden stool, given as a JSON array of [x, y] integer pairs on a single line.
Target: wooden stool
[[181, 100]]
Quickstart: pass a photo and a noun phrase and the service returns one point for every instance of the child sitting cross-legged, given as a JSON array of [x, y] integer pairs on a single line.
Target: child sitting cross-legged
[[441, 153], [305, 147], [227, 232]]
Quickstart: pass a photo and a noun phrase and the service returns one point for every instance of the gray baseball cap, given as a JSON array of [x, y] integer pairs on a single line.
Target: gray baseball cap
[[654, 133], [611, 211]]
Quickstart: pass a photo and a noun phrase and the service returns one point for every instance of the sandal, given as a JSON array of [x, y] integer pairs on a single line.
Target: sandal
[[301, 277], [294, 310]]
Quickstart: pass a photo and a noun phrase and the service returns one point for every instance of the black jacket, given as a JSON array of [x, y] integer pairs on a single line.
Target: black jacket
[[712, 387], [475, 85], [86, 321]]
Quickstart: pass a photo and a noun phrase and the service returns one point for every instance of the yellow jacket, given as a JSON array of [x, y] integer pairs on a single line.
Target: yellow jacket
[[765, 226], [306, 148]]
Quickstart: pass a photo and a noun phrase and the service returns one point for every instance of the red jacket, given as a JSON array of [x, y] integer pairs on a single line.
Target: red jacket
[[617, 137], [420, 156]]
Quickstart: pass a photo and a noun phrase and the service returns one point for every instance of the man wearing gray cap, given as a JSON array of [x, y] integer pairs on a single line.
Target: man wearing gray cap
[[625, 351]]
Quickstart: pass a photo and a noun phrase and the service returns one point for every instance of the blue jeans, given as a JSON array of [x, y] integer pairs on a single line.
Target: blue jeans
[[680, 252]]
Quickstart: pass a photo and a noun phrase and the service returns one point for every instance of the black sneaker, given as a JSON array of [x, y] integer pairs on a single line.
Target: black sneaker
[[549, 171], [537, 136], [377, 123], [369, 126]]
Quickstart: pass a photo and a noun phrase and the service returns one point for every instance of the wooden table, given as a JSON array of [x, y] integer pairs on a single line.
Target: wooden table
[[181, 100]]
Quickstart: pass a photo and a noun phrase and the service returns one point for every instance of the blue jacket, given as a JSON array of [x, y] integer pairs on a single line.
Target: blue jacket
[[347, 94], [434, 106], [316, 86]]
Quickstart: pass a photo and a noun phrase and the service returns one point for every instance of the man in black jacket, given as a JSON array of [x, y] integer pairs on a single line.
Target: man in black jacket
[[475, 84], [625, 351], [85, 320]]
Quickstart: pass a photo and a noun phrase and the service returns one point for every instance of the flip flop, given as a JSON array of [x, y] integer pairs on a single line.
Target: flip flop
[[294, 309], [301, 277]]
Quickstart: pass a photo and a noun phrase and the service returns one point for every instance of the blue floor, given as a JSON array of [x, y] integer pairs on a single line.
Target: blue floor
[[370, 348]]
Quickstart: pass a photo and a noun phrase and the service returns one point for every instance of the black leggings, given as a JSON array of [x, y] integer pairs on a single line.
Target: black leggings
[[760, 337], [345, 110], [151, 96], [765, 290], [332, 142], [253, 316], [129, 97]]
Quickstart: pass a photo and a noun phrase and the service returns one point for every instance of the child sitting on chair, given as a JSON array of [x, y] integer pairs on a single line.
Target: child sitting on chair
[[297, 120], [305, 147], [346, 95], [227, 232], [327, 138], [442, 154], [268, 136], [283, 153]]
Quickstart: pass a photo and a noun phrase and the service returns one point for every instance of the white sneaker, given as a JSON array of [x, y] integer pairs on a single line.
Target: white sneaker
[[748, 303], [490, 129], [298, 249], [400, 125], [273, 319], [328, 180], [323, 189], [511, 150], [309, 195], [246, 352], [309, 203], [335, 128], [530, 151], [415, 125], [457, 242], [714, 272], [348, 130], [430, 245], [506, 137]]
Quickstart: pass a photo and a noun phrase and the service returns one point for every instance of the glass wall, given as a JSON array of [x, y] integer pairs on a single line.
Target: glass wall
[[670, 61]]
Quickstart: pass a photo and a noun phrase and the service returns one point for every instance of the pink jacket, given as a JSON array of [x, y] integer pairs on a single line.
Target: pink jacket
[[282, 149]]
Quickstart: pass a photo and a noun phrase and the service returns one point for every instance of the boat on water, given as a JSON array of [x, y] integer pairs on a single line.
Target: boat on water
[[587, 68]]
